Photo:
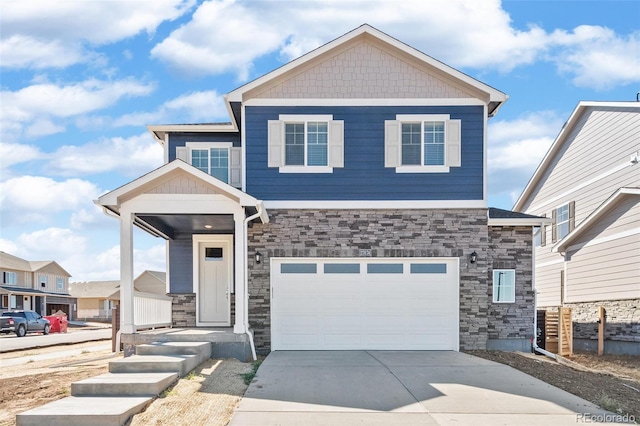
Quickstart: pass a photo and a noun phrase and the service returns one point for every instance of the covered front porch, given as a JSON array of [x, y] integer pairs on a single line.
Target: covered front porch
[[204, 223]]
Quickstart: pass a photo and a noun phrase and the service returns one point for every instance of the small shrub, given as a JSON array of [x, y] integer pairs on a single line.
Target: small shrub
[[608, 403]]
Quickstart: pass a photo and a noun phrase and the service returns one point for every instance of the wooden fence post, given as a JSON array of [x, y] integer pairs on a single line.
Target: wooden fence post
[[601, 320]]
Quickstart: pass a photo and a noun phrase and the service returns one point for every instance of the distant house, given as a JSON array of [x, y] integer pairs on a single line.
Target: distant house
[[42, 286], [589, 184], [96, 299]]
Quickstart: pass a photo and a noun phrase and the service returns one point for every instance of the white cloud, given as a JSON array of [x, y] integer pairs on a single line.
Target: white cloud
[[598, 58], [193, 107], [16, 153], [210, 43], [44, 33], [520, 144], [131, 156], [50, 244], [32, 109], [36, 199]]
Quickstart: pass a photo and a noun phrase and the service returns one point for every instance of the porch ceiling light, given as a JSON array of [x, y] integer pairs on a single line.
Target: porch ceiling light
[[474, 257], [208, 226], [258, 257]]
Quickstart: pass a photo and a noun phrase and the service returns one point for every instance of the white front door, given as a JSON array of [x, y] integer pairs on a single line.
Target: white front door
[[213, 276]]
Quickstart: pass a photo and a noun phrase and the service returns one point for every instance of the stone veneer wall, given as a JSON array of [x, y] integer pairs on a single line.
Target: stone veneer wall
[[183, 309], [511, 248], [622, 319], [387, 233]]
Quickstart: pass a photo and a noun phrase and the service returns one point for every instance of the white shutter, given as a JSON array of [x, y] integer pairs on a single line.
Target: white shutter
[[275, 144], [235, 167], [336, 143], [182, 153], [391, 143], [453, 143]]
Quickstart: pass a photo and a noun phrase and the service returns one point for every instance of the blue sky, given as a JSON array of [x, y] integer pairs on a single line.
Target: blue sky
[[80, 79]]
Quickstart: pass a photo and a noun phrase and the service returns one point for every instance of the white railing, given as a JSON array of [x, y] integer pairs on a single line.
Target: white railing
[[151, 310]]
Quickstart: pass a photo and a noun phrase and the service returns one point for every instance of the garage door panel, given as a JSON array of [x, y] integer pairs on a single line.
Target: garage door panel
[[379, 310]]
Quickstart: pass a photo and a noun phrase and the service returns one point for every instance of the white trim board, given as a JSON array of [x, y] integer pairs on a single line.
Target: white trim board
[[368, 204], [364, 102]]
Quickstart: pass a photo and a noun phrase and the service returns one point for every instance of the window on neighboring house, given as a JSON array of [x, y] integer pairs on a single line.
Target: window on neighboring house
[[305, 143], [5, 301], [422, 143], [60, 283], [563, 221], [504, 285], [43, 281], [9, 278]]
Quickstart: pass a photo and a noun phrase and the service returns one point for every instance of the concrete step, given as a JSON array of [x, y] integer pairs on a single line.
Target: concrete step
[[119, 384], [202, 349], [82, 411], [180, 364]]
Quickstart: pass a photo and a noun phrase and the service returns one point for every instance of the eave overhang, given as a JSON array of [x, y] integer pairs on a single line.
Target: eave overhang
[[557, 144], [562, 245]]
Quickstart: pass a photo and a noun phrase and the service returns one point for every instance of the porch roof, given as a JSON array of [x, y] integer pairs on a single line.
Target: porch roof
[[175, 179]]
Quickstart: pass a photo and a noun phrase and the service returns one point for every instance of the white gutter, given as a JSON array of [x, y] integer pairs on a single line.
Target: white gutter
[[246, 281]]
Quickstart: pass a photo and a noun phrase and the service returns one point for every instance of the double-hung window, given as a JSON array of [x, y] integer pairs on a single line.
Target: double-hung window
[[44, 280], [563, 221], [305, 143], [59, 283], [219, 159], [214, 161], [504, 285], [422, 143], [9, 278]]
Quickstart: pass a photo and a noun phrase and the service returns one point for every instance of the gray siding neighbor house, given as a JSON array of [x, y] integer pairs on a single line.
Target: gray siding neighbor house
[[589, 184], [343, 207]]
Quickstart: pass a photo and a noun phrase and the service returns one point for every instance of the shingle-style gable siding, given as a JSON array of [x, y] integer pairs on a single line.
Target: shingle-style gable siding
[[364, 70], [364, 176]]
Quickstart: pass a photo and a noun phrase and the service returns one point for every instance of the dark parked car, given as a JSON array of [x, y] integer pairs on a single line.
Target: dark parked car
[[23, 322]]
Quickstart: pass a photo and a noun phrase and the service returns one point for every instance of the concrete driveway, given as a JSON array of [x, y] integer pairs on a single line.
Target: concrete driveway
[[401, 388]]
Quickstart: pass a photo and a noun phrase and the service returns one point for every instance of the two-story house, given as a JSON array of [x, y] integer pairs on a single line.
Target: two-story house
[[589, 184], [343, 207], [41, 286]]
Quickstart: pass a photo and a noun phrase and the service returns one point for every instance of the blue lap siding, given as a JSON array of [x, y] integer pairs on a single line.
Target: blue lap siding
[[364, 176], [180, 139]]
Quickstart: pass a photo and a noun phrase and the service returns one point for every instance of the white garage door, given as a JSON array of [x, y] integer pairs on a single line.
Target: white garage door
[[373, 303]]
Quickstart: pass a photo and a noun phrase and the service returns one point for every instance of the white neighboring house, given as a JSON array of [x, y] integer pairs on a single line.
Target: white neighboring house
[[96, 299], [589, 184], [41, 286]]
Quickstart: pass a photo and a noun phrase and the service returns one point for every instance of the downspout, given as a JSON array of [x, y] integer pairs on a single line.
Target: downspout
[[246, 280], [536, 348]]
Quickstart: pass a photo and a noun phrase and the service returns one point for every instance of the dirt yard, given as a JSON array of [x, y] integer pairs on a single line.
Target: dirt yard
[[209, 395], [610, 381]]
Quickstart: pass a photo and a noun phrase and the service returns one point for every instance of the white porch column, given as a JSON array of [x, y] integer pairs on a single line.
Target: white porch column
[[127, 324], [240, 244]]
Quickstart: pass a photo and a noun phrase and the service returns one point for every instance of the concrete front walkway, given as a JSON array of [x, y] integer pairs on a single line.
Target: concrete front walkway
[[400, 388]]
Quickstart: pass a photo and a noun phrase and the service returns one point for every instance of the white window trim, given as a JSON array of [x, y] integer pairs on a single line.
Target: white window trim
[[58, 281], [206, 146], [7, 281], [493, 284], [302, 118], [421, 118], [43, 279]]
